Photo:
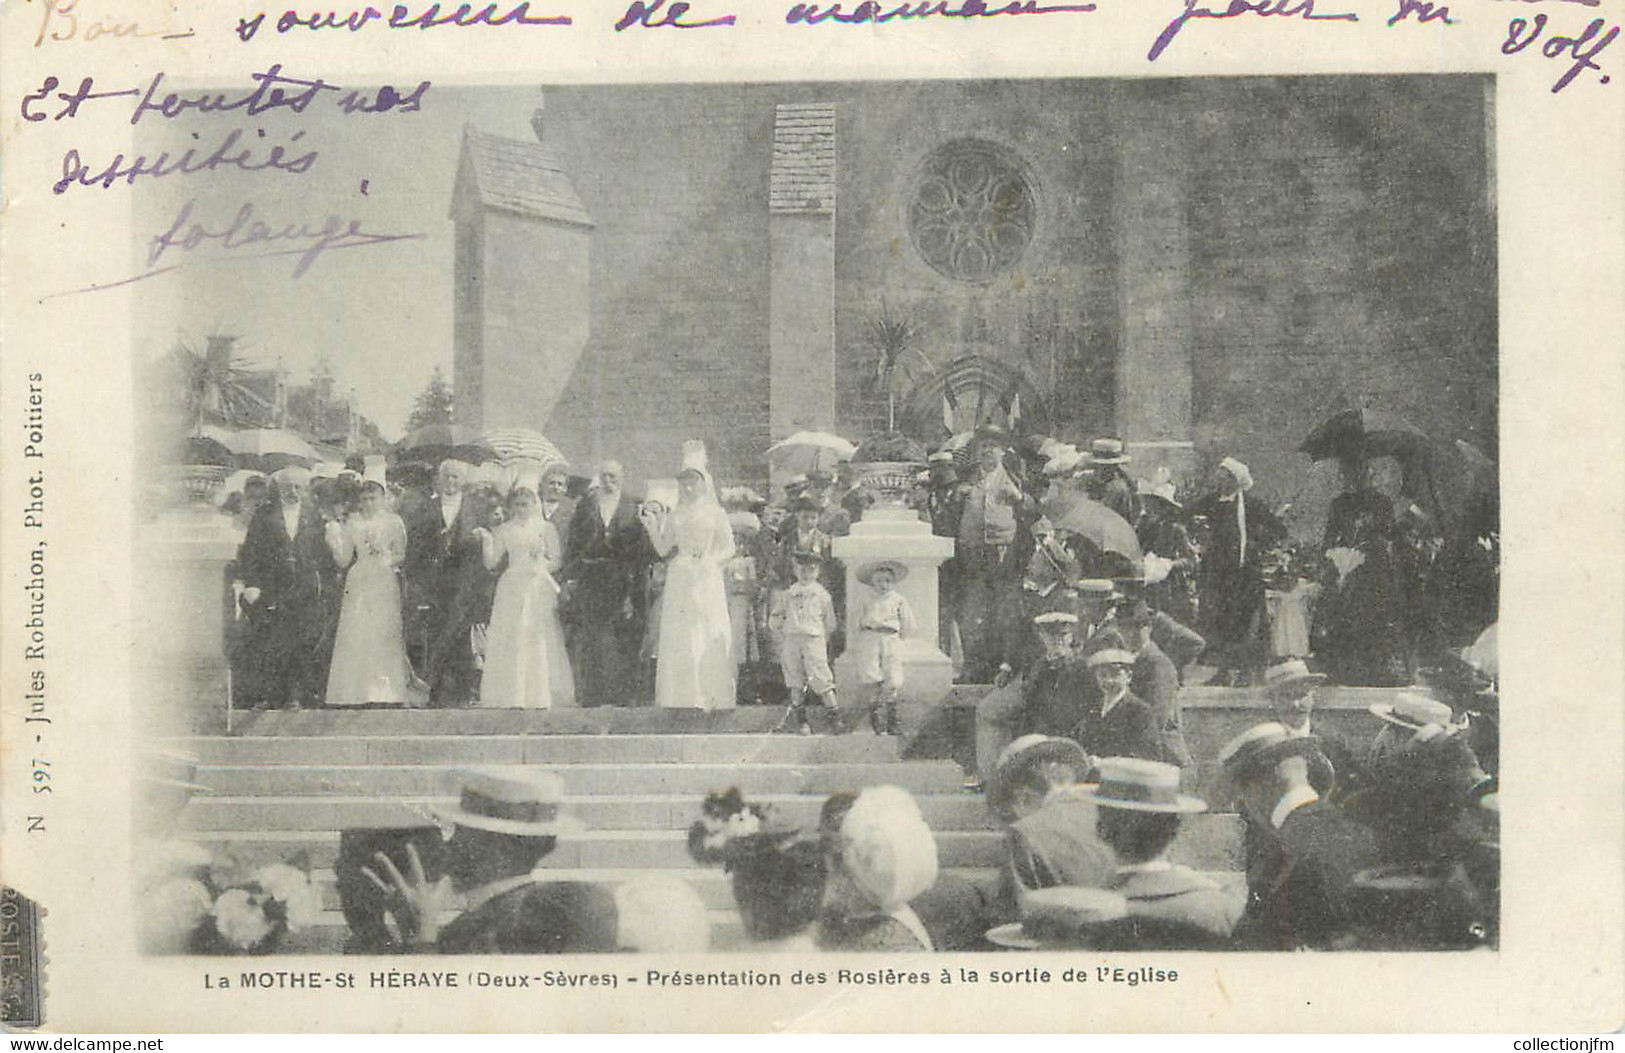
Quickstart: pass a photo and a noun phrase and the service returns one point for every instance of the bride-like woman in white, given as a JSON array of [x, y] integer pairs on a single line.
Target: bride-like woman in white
[[694, 662], [369, 651], [526, 666]]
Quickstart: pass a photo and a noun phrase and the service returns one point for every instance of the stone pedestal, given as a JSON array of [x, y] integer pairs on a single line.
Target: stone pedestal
[[895, 532], [183, 605]]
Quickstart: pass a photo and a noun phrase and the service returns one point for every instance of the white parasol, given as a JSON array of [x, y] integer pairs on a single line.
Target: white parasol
[[808, 451]]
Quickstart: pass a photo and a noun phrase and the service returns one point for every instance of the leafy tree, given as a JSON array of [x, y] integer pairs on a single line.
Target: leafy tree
[[433, 404]]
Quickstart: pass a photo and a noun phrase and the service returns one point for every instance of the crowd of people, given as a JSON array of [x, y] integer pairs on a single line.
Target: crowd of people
[[392, 589], [534, 588], [1392, 845]]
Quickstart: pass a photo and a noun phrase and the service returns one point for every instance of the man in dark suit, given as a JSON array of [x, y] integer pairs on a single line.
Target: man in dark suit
[[1230, 580], [285, 563], [1303, 863], [504, 824], [1155, 681], [605, 583], [449, 590], [558, 507], [1116, 723]]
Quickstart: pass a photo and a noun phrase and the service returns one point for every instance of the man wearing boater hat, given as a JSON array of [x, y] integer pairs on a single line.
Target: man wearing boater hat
[[505, 821], [1114, 722], [1306, 851], [1170, 907], [1110, 484], [1290, 688]]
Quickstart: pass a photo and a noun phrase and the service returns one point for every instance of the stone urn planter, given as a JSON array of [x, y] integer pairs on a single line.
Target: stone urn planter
[[888, 466]]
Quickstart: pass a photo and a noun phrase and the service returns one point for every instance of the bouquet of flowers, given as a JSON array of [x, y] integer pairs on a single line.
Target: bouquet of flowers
[[724, 818], [190, 901]]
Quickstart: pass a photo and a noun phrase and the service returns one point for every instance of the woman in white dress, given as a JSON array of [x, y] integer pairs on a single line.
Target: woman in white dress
[[369, 651], [694, 664], [525, 662]]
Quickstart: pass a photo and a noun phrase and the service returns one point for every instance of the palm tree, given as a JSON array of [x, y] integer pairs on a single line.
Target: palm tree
[[893, 336], [216, 388]]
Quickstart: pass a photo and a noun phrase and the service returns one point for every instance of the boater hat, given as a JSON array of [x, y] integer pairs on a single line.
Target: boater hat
[[867, 571], [511, 801], [1290, 676], [1021, 757], [1110, 656], [1105, 587], [1412, 712], [1055, 620], [1137, 785], [1108, 451], [1260, 748]]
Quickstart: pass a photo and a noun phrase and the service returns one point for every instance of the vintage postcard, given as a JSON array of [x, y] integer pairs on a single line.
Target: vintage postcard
[[865, 516]]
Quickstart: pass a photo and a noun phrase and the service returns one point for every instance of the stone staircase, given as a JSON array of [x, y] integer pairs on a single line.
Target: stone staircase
[[289, 782]]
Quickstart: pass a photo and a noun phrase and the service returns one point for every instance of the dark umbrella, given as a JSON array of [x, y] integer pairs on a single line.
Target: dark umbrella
[[437, 442], [1366, 433]]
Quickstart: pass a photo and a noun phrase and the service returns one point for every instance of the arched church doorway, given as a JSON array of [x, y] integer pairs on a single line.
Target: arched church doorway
[[972, 391]]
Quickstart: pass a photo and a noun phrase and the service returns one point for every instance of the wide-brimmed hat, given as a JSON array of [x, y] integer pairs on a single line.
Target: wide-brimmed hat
[[941, 457], [1021, 757], [1412, 712], [1101, 587], [1137, 785], [867, 570], [1160, 486], [1284, 677], [1110, 656], [1055, 620], [1108, 451], [1060, 916], [1260, 748], [510, 801]]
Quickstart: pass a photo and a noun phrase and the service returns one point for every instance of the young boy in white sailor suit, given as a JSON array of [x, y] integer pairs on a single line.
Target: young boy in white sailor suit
[[887, 621], [802, 620]]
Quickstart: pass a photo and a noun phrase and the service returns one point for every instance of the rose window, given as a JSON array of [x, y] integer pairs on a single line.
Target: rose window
[[973, 211]]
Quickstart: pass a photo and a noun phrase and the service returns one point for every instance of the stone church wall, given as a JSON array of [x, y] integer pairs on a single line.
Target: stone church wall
[[1293, 245]]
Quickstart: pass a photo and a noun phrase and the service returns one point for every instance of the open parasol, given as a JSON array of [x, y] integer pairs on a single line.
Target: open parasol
[[521, 445], [260, 442], [1366, 433], [1100, 526], [436, 442], [808, 451]]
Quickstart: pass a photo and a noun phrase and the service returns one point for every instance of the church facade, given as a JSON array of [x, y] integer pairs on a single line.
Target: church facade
[[1202, 266]]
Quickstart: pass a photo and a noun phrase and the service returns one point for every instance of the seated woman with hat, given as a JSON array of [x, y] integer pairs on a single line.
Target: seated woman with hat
[[883, 856], [777, 872]]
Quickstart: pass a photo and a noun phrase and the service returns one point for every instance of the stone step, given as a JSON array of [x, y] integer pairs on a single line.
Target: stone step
[[631, 812], [681, 779], [606, 720], [1211, 841], [330, 932], [714, 886], [630, 748], [592, 850]]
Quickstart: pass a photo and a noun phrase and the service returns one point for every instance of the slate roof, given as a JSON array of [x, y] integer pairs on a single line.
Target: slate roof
[[802, 178], [516, 176]]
